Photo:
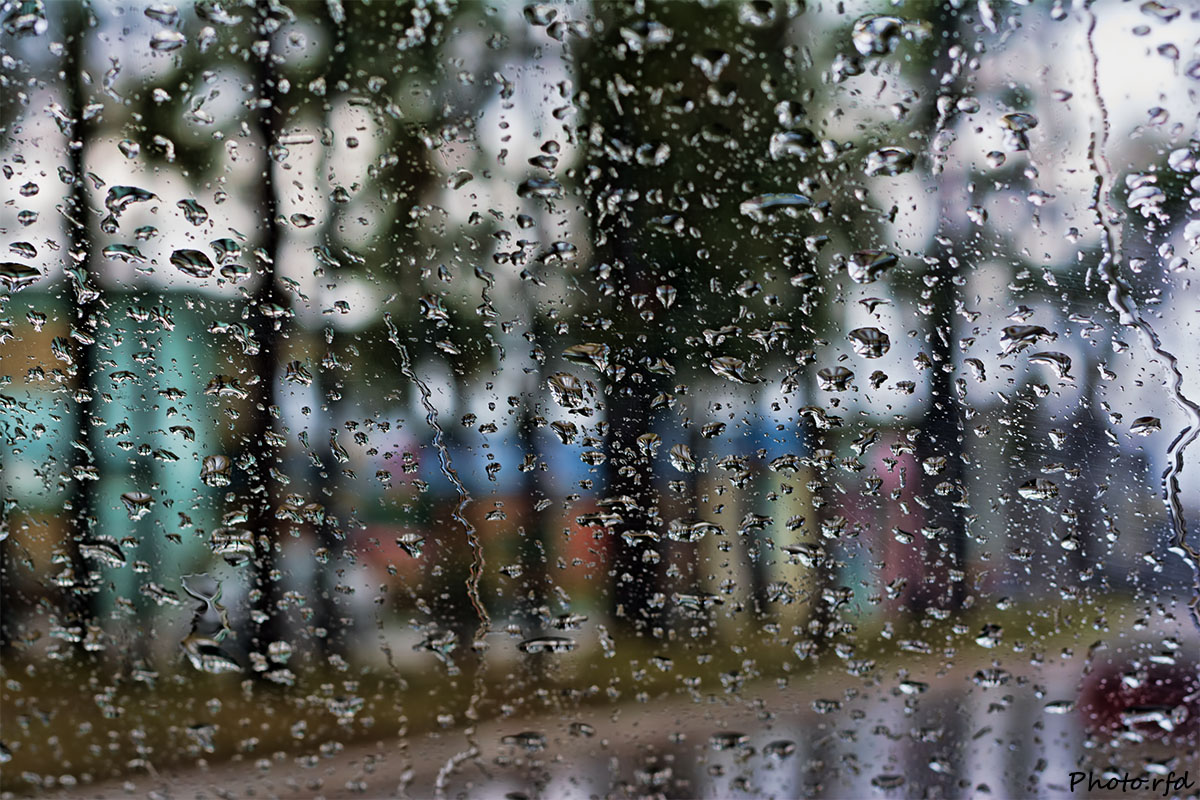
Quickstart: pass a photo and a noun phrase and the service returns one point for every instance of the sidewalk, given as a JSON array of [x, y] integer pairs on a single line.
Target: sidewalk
[[886, 735]]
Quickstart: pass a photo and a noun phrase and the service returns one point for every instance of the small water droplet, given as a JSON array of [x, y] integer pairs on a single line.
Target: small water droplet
[[547, 644]]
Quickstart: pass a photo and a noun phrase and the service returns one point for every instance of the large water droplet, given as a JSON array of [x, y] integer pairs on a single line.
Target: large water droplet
[[193, 263]]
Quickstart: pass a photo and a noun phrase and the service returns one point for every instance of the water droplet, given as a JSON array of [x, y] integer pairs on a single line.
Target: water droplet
[[121, 197], [1059, 362], [569, 622], [232, 544], [530, 741], [681, 459], [692, 530], [192, 263], [889, 162], [567, 391], [23, 249], [728, 741], [866, 266], [780, 749], [666, 295], [870, 342], [762, 207], [1038, 489], [1017, 337], [992, 677], [162, 12], [1019, 121], [876, 35], [648, 444], [193, 211], [124, 252], [757, 13], [789, 113], [104, 550], [834, 379], [216, 470], [27, 18], [989, 636], [540, 15], [166, 41], [16, 276], [733, 369], [227, 250], [295, 372], [582, 729], [888, 782], [541, 189], [712, 63], [137, 504], [547, 644], [1060, 707], [1157, 10], [1144, 426], [800, 143], [590, 354], [206, 655]]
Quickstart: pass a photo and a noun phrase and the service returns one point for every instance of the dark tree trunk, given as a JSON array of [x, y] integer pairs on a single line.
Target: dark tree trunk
[[637, 564], [330, 535], [824, 572], [535, 545], [757, 550], [943, 490], [267, 595], [636, 567], [942, 487], [329, 532], [84, 313], [1086, 445]]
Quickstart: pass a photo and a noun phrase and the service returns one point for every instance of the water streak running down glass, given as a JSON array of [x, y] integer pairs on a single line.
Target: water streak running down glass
[[781, 398]]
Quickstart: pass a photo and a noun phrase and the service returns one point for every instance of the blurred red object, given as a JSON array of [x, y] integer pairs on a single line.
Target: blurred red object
[[1148, 698]]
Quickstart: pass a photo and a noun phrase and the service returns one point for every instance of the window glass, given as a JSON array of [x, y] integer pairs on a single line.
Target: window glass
[[780, 398]]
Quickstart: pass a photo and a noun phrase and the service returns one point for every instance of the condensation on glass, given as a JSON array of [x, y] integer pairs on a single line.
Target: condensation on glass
[[782, 398]]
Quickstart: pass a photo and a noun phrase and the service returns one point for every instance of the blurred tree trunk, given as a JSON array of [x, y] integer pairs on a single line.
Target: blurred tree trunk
[[636, 565], [689, 555], [267, 614], [85, 312], [331, 536], [1086, 444], [9, 596], [535, 546], [756, 539], [452, 604], [824, 572], [943, 488]]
